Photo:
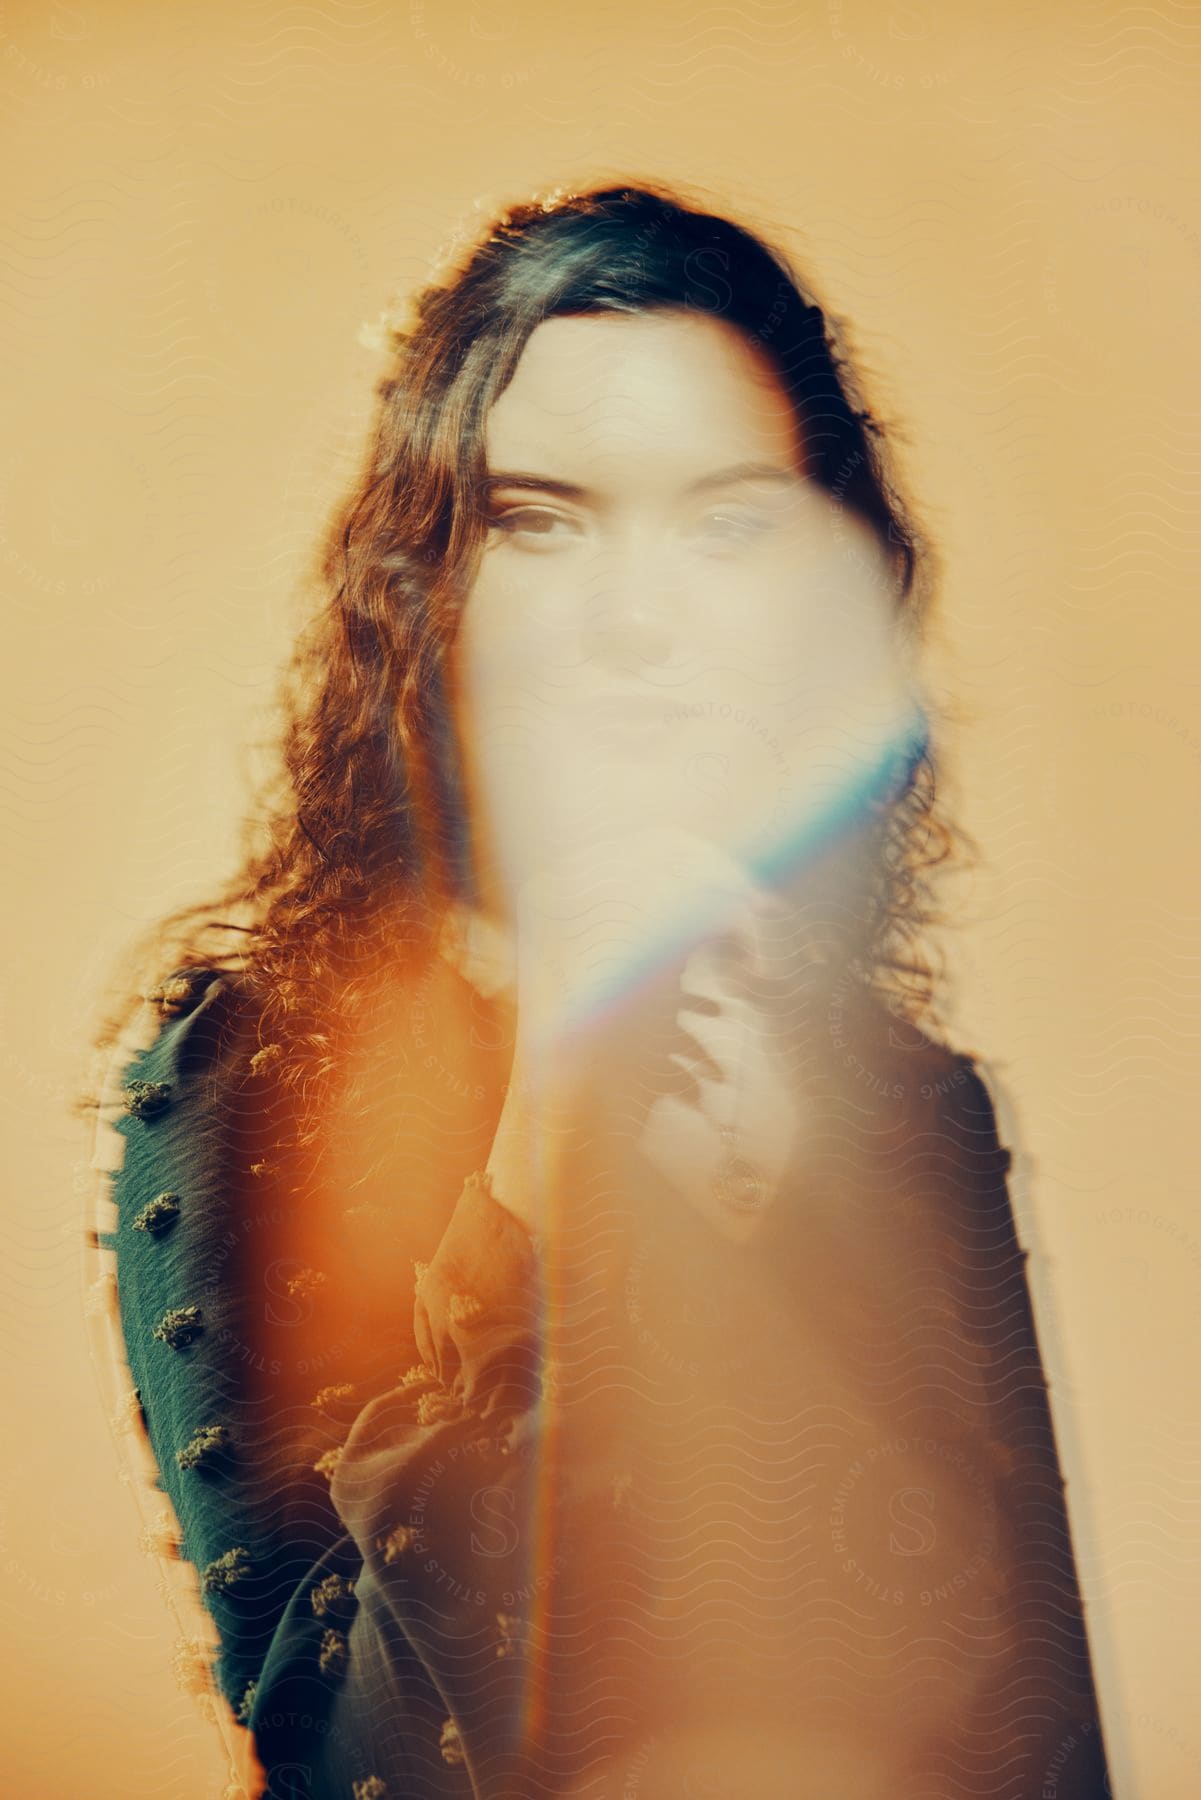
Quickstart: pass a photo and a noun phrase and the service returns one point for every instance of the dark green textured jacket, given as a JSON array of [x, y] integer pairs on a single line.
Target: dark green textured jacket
[[502, 1536], [243, 1382]]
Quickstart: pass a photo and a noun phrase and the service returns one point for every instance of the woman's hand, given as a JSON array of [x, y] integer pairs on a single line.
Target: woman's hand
[[646, 999], [726, 1138]]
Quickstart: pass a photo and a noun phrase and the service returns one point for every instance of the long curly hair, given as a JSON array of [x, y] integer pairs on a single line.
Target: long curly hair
[[355, 843]]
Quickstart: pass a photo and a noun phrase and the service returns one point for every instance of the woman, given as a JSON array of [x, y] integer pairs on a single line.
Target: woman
[[570, 1302]]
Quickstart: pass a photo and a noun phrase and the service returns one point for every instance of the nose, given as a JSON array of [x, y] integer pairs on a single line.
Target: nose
[[632, 616]]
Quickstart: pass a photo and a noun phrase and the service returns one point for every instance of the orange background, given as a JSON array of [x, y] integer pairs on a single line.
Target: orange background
[[204, 204]]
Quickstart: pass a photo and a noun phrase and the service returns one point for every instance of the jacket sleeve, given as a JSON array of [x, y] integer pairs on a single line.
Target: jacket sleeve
[[154, 1328], [204, 1336]]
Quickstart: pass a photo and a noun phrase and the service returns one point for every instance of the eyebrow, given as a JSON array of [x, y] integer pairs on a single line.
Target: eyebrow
[[570, 490]]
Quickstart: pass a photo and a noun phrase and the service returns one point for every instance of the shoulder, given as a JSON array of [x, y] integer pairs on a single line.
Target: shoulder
[[167, 1090], [196, 1042], [192, 1018], [964, 1090], [950, 1097], [166, 1115], [957, 1129], [915, 1064], [183, 1108]]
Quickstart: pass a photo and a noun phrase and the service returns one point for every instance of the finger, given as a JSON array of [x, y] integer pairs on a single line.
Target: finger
[[717, 1051]]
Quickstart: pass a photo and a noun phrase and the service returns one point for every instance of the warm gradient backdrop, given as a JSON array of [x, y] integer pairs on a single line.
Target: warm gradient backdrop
[[203, 204]]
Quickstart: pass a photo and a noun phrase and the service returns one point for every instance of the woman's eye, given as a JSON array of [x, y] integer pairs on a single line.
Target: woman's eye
[[543, 528], [728, 528], [532, 525]]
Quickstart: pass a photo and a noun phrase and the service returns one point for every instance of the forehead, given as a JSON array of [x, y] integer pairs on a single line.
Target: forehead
[[612, 392]]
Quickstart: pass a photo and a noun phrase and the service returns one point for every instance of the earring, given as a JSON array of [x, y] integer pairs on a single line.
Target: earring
[[738, 1182]]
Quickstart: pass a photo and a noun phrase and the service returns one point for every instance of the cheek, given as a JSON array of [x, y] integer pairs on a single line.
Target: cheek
[[511, 627], [840, 606], [795, 627], [509, 670]]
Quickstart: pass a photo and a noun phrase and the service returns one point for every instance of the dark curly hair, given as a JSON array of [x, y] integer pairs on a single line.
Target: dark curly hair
[[356, 842]]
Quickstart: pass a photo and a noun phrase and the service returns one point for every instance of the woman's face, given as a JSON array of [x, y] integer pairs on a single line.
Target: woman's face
[[655, 544]]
